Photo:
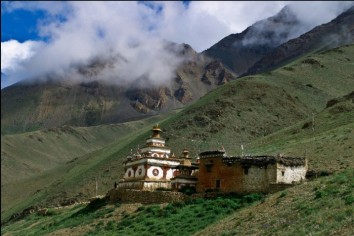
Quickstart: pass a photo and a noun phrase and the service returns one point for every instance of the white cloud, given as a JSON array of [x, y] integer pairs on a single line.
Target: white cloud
[[14, 53], [136, 31], [313, 13], [96, 29], [205, 23]]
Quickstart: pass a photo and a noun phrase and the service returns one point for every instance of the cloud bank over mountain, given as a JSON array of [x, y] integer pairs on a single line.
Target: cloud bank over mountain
[[132, 35]]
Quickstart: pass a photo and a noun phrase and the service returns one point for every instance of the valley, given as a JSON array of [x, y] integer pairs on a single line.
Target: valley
[[63, 143]]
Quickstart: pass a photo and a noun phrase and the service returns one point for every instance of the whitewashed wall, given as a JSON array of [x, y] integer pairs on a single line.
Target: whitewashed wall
[[141, 169], [131, 171], [291, 174]]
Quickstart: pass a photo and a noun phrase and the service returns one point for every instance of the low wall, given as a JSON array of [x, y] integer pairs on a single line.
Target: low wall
[[273, 188], [144, 197]]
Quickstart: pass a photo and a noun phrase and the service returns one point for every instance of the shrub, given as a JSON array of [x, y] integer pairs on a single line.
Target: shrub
[[252, 197], [349, 199], [288, 68], [93, 206], [178, 204], [110, 225], [283, 194], [141, 208]]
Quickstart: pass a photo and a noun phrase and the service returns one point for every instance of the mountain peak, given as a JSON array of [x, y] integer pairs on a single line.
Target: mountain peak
[[255, 41]]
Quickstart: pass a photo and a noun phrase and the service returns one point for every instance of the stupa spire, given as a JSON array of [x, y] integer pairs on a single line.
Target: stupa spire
[[156, 131]]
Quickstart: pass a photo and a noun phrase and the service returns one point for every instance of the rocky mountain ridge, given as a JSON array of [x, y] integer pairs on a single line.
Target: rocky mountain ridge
[[261, 47], [279, 39], [339, 31], [52, 103]]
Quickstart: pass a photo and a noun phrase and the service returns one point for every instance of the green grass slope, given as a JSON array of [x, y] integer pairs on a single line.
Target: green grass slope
[[322, 207], [72, 152], [256, 106], [132, 219], [24, 155], [246, 111], [326, 139]]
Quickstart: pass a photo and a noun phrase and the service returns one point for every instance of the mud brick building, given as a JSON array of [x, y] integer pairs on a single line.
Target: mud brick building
[[154, 167], [218, 172]]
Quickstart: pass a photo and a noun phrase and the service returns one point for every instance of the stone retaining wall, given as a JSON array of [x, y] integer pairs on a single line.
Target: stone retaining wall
[[144, 197], [273, 188]]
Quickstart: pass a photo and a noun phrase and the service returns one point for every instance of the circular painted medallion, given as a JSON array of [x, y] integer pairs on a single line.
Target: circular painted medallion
[[155, 172]]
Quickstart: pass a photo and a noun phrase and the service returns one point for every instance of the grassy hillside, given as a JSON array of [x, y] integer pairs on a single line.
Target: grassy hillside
[[256, 106], [28, 154], [31, 153], [320, 207], [63, 157], [132, 219], [261, 112], [326, 139]]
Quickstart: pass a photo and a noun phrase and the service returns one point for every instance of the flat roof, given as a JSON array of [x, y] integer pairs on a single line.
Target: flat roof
[[265, 159]]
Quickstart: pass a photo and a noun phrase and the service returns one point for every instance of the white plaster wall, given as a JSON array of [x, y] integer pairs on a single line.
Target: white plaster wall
[[126, 175], [151, 175], [136, 162], [155, 185], [152, 162], [169, 174], [142, 168], [291, 174], [154, 149], [155, 155], [163, 162], [153, 140]]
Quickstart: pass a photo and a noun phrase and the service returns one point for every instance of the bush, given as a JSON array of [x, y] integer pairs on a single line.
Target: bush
[[283, 194], [93, 206], [349, 199], [109, 225], [252, 197]]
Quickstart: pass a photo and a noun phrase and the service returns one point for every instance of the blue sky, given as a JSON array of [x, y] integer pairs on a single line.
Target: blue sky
[[20, 25], [47, 37]]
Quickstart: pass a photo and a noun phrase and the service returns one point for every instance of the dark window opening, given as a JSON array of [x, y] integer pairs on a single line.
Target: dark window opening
[[246, 171], [208, 167], [282, 173], [218, 183]]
